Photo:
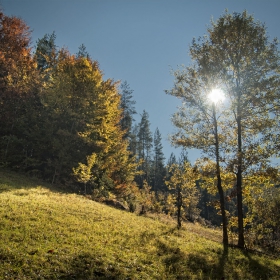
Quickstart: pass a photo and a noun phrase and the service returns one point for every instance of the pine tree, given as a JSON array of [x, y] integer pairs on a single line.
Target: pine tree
[[82, 52], [184, 157], [128, 110], [158, 163], [46, 52], [144, 149], [172, 160]]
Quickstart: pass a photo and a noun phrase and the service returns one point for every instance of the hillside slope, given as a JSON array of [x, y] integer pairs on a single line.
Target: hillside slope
[[46, 234]]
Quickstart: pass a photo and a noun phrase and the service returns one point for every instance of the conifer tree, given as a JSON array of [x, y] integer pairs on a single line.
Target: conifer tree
[[172, 160], [46, 52], [82, 52], [158, 163], [144, 149], [128, 110]]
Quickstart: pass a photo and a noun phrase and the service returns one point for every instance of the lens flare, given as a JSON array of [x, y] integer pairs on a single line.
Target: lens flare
[[216, 95]]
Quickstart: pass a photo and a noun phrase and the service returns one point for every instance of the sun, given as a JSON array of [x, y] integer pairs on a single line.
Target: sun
[[216, 95]]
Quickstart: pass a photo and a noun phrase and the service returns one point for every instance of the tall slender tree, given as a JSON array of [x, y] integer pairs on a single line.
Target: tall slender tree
[[236, 55], [172, 160], [144, 149], [128, 110], [199, 126], [158, 163], [239, 51]]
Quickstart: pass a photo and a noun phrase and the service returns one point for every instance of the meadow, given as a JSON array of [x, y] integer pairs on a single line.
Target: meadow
[[47, 233]]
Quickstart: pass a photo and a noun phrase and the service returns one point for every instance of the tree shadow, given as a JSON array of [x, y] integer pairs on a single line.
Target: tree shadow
[[87, 266], [20, 182], [227, 265]]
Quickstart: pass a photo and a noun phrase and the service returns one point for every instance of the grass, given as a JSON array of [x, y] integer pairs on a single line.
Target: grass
[[47, 234]]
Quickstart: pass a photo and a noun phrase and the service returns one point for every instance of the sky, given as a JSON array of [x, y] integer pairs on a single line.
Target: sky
[[138, 41]]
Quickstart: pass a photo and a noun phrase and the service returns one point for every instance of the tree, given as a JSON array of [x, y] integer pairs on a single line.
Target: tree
[[237, 55], [19, 87], [46, 52], [182, 186], [82, 52], [158, 163], [128, 110], [83, 172], [238, 50], [209, 181], [184, 157], [262, 199], [144, 148], [199, 122], [85, 115], [171, 160]]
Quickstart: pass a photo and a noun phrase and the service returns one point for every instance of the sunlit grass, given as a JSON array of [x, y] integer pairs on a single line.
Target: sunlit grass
[[51, 235]]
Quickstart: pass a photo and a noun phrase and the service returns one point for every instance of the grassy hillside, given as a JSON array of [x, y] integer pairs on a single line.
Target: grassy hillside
[[46, 234]]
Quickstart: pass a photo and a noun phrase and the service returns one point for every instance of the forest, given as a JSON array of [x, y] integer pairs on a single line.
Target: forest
[[63, 123]]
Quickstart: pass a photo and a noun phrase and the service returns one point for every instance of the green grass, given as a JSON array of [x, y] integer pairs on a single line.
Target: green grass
[[47, 234]]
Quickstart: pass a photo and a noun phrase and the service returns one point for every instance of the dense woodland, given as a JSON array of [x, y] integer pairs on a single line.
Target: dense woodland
[[62, 122]]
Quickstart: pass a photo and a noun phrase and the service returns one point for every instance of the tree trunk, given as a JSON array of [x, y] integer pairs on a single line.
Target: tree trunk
[[241, 242], [224, 216], [219, 182], [179, 206]]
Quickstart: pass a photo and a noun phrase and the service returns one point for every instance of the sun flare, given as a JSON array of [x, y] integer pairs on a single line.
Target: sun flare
[[216, 95]]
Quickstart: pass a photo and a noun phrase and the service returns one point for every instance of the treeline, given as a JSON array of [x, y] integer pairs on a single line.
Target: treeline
[[62, 122]]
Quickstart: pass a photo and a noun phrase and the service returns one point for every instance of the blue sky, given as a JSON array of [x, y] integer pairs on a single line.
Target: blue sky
[[139, 41]]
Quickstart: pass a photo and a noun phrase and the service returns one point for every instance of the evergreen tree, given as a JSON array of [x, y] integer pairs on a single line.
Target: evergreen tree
[[158, 163], [128, 110], [144, 149], [172, 160], [133, 144], [46, 52], [82, 52], [183, 157]]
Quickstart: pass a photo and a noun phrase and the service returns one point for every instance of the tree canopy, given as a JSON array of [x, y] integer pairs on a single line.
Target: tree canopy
[[236, 56]]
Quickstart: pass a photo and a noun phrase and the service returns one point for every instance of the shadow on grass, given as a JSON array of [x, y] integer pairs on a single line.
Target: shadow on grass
[[13, 181], [219, 264], [82, 267], [86, 266]]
